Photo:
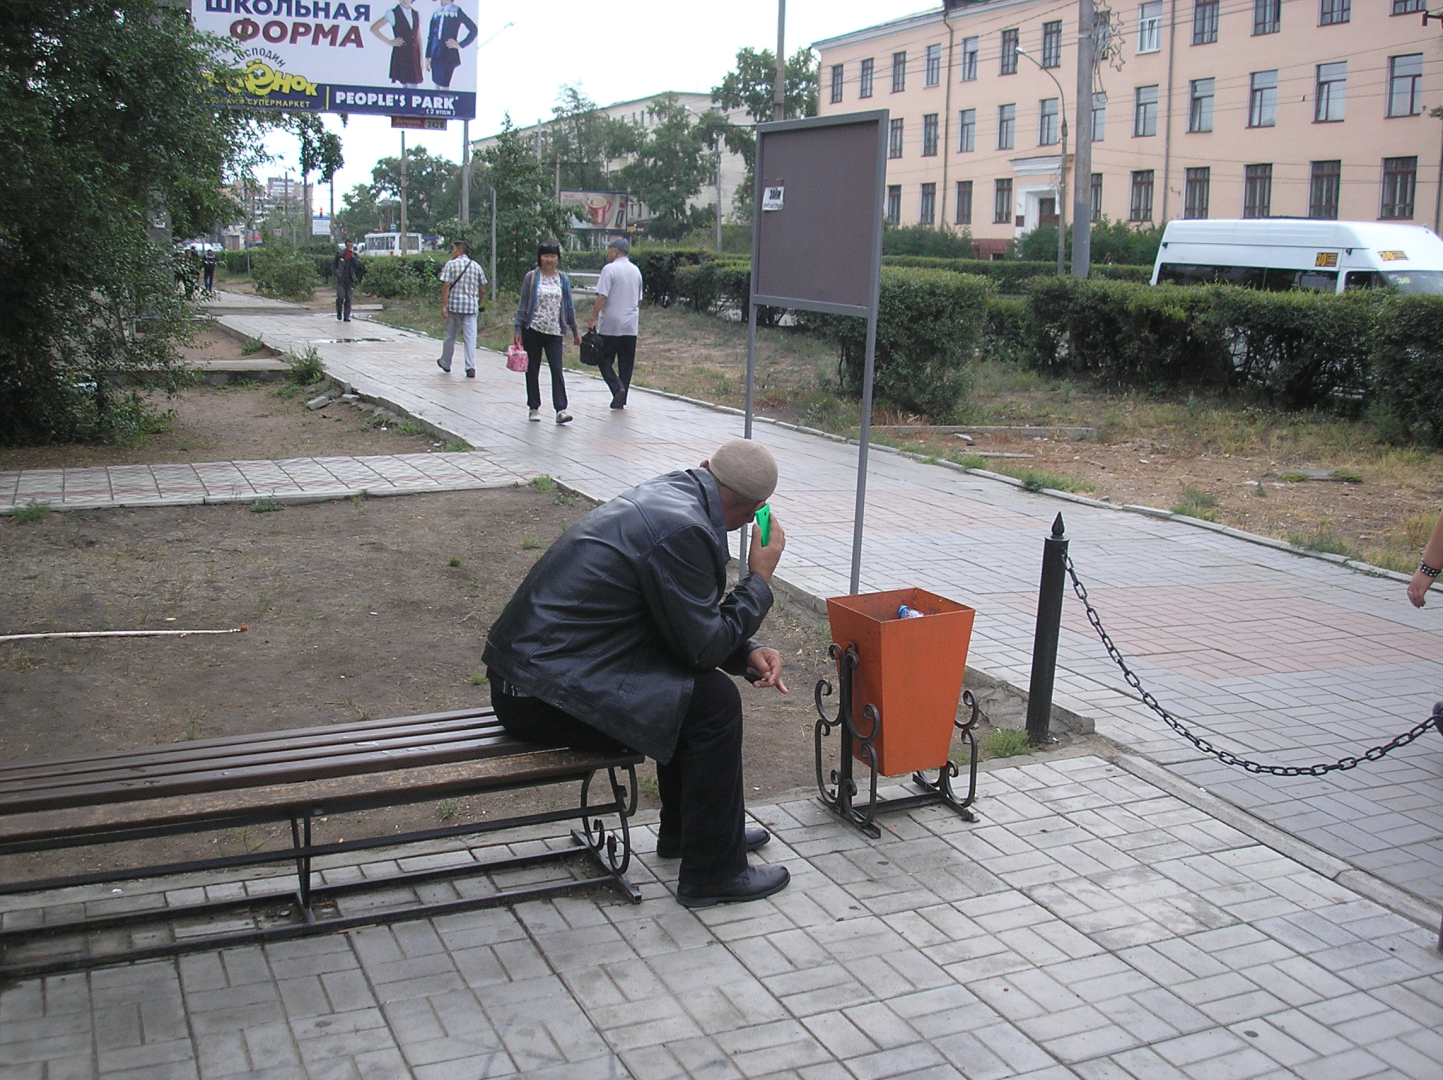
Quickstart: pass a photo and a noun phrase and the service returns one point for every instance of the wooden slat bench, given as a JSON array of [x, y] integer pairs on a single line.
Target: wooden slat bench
[[290, 776]]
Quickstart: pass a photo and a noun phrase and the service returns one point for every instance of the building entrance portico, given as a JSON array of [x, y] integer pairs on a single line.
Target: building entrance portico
[[1036, 192]]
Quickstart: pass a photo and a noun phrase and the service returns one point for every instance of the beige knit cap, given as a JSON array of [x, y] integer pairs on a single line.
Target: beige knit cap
[[746, 467]]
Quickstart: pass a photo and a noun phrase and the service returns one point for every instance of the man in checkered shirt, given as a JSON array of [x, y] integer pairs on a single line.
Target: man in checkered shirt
[[463, 287]]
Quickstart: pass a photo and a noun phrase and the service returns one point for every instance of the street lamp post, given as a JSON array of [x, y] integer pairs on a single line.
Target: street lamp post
[[1061, 167]]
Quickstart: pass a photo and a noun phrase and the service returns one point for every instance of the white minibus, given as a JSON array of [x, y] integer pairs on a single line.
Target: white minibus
[[1279, 254]]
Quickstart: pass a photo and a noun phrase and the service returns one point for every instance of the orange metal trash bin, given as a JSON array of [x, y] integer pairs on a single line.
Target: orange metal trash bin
[[910, 671]]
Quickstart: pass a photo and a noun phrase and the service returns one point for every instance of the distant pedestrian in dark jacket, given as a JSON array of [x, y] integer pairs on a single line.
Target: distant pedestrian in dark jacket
[[348, 270], [207, 269], [616, 637], [443, 50]]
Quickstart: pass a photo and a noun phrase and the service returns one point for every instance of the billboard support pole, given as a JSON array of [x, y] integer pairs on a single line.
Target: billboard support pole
[[868, 370], [493, 240], [402, 238]]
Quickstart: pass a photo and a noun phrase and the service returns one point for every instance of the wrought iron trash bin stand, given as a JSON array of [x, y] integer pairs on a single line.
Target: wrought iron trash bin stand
[[902, 745]]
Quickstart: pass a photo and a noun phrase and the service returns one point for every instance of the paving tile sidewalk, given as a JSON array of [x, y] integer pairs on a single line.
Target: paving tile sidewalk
[[1092, 927], [1272, 655], [286, 480]]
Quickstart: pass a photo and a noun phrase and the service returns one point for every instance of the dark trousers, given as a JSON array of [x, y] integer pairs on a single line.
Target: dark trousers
[[700, 787], [534, 344], [208, 272], [620, 348], [343, 301]]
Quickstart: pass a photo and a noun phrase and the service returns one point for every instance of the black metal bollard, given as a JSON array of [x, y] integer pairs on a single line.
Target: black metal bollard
[[1044, 641]]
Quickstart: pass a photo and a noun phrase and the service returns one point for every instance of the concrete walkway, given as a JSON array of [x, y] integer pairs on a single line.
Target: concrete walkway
[[1270, 654], [1102, 921]]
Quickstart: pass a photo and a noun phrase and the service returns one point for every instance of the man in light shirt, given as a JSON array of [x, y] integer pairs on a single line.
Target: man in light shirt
[[615, 317], [463, 287]]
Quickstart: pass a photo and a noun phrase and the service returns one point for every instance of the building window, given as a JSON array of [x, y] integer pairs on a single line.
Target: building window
[[1333, 12], [929, 135], [1405, 79], [1400, 184], [1195, 193], [1047, 122], [1140, 208], [927, 214], [1331, 92], [894, 204], [933, 74], [864, 82], [1267, 16], [1324, 184], [1144, 112], [1149, 27], [899, 72], [1002, 202], [964, 202], [1099, 115], [1257, 191], [1009, 53], [1200, 105], [836, 83], [1407, 7], [1006, 126], [1096, 196], [969, 59], [1263, 99], [1052, 44], [966, 131], [894, 139], [1204, 22]]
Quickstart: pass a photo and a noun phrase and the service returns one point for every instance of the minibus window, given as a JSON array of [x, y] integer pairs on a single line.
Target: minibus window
[[1363, 279], [1318, 280], [1422, 282]]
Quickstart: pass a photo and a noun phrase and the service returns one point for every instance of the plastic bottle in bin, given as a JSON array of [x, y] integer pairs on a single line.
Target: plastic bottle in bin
[[904, 612]]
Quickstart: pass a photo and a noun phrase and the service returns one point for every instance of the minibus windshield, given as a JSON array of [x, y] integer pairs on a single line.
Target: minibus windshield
[[1426, 282]]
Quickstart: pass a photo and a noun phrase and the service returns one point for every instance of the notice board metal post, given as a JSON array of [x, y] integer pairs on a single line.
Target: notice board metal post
[[817, 242]]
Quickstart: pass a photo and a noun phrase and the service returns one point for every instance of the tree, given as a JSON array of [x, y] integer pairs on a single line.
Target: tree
[[670, 163], [432, 195], [526, 208], [360, 213], [583, 140], [320, 150], [749, 86], [109, 123]]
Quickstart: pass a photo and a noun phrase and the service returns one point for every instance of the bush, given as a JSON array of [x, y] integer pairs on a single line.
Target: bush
[[1006, 325], [1124, 333], [305, 367], [236, 262], [1112, 242], [924, 240], [658, 268], [928, 326], [1010, 274], [1408, 363], [283, 273], [394, 277]]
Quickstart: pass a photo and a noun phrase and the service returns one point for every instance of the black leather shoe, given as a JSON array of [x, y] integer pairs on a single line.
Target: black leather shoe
[[756, 837], [470, 373], [753, 883]]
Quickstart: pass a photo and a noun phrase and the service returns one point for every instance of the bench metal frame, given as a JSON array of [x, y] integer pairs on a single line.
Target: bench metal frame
[[306, 907], [840, 794]]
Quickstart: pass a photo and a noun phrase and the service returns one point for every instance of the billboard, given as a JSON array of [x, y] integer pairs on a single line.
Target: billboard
[[596, 209], [393, 57]]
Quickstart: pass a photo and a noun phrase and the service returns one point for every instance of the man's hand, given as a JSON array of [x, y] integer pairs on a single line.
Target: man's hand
[[576, 340], [763, 560], [1418, 587], [765, 666]]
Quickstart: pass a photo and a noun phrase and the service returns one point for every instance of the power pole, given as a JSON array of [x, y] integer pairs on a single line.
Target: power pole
[[493, 240], [779, 88], [465, 172], [1082, 156], [402, 239]]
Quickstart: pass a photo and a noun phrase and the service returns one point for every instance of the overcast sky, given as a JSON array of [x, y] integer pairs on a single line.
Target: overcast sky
[[615, 50]]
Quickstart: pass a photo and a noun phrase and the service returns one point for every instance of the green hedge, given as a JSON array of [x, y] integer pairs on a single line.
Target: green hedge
[[283, 273], [929, 323], [1010, 274], [1303, 350], [393, 277], [1408, 365], [1006, 326]]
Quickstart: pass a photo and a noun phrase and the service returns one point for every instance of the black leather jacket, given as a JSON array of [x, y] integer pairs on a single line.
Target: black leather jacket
[[614, 622]]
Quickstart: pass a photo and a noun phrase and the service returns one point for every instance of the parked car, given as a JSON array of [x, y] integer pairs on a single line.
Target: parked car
[[1279, 254]]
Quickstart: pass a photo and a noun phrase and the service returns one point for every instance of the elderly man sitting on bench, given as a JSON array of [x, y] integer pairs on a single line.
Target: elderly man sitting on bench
[[616, 637]]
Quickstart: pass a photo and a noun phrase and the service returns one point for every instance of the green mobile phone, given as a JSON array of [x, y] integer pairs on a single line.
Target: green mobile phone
[[764, 522]]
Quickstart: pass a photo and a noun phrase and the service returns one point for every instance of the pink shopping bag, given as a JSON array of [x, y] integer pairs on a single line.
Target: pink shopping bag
[[515, 358]]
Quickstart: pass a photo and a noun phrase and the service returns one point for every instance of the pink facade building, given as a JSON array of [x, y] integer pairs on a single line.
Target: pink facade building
[[1200, 108]]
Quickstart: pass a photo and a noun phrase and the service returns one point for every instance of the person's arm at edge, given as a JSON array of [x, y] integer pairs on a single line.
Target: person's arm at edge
[[1433, 556]]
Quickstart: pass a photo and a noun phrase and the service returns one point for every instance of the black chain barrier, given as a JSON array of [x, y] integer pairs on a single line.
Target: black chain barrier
[[1226, 756]]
